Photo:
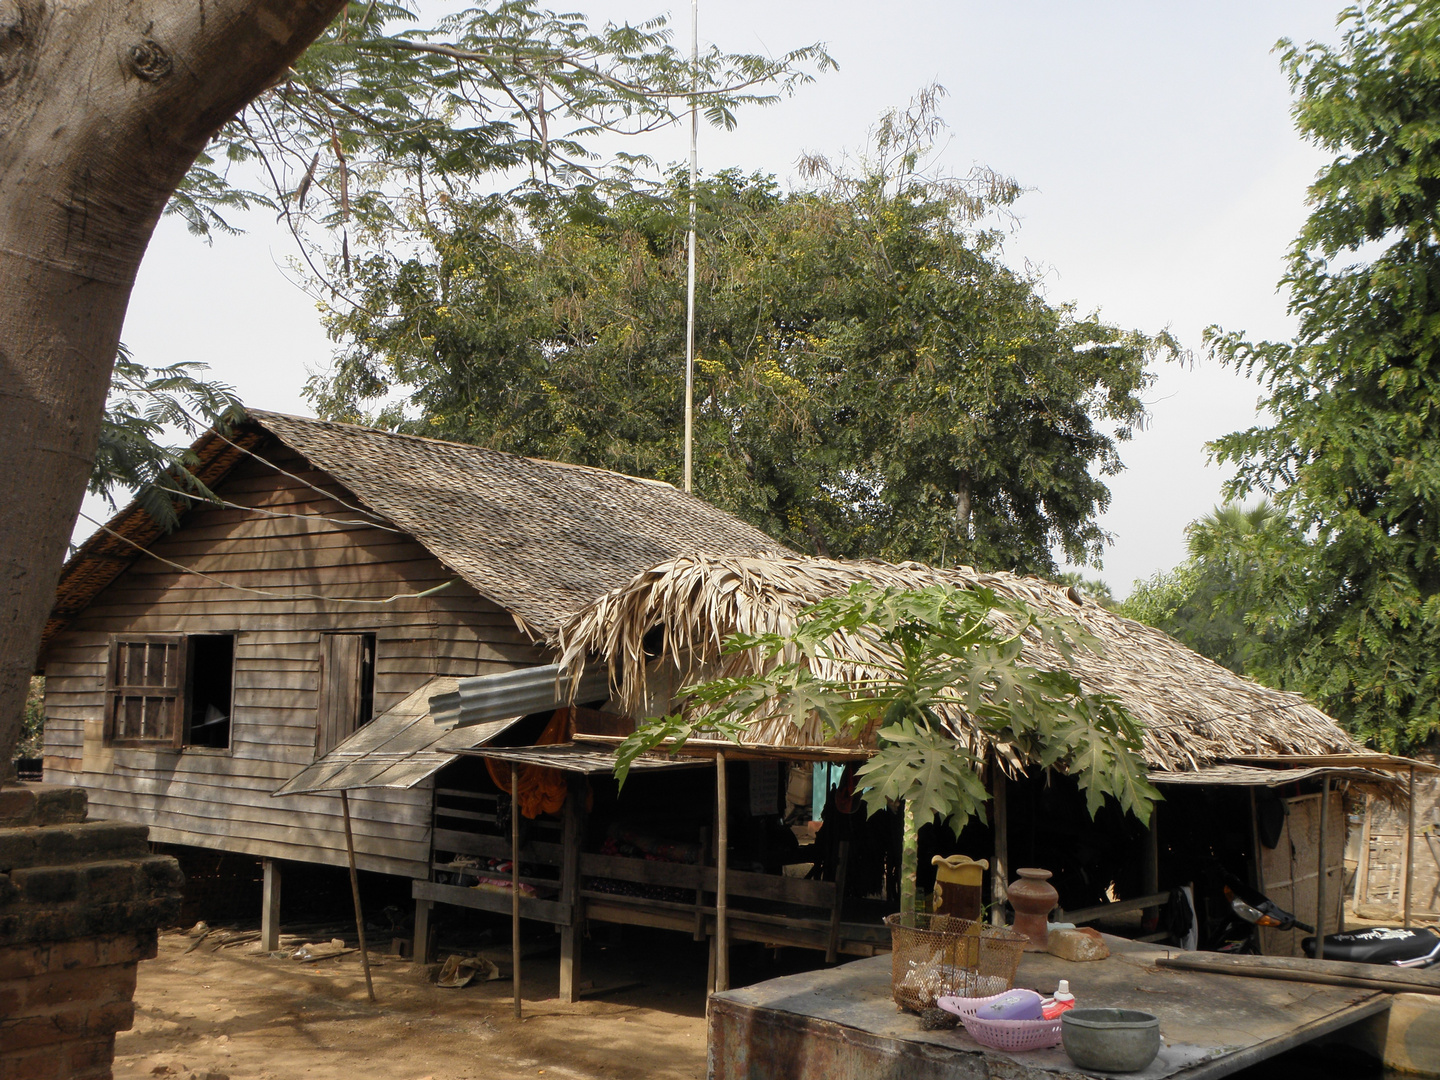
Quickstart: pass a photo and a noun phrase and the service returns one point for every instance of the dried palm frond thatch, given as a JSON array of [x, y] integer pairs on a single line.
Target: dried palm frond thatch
[[1192, 711]]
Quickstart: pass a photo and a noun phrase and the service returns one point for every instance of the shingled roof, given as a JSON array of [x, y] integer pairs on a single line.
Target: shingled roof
[[540, 538]]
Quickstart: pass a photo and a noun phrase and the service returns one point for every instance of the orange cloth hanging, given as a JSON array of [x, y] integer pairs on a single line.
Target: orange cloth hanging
[[542, 789]]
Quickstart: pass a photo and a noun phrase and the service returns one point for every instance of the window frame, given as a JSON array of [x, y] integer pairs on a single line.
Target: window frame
[[174, 690]]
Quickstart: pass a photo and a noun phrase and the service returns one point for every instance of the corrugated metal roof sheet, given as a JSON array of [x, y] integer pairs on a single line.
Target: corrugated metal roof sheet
[[397, 749], [1253, 776], [570, 757], [523, 691]]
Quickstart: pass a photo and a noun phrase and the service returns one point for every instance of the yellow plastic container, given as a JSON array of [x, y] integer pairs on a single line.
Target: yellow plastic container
[[957, 885]]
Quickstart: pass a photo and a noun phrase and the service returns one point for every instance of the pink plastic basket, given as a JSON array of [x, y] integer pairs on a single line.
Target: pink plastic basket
[[1002, 1034]]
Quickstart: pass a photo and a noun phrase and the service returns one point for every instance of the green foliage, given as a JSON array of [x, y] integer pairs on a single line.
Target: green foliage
[[142, 407], [871, 379], [937, 651], [386, 117], [32, 725], [1203, 601], [1349, 598]]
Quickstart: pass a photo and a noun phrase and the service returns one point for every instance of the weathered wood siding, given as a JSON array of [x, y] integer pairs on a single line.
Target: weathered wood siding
[[221, 798]]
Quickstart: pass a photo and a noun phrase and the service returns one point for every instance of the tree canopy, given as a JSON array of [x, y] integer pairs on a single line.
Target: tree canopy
[[1348, 598], [871, 377], [1203, 601]]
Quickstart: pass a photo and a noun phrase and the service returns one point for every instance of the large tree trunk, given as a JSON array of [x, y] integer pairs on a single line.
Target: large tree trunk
[[104, 104]]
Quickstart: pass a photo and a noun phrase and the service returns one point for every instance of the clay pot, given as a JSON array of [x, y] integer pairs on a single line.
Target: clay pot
[[1033, 898]]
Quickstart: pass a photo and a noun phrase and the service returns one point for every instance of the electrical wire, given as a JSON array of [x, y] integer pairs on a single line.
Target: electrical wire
[[264, 592]]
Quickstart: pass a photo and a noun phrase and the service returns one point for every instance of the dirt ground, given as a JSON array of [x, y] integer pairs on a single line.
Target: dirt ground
[[245, 1015]]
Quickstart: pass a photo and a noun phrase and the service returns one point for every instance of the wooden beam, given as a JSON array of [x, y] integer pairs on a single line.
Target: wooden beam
[[1000, 864], [1410, 847], [1299, 969], [355, 895], [515, 883], [270, 906], [722, 883], [572, 837]]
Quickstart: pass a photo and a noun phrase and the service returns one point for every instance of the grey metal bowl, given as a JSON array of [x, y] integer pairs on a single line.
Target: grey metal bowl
[[1110, 1040]]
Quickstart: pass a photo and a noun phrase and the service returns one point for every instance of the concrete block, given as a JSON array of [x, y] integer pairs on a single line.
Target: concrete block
[[1412, 1035], [1077, 945]]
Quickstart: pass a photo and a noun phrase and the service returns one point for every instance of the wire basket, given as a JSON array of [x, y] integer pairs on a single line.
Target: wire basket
[[935, 956]]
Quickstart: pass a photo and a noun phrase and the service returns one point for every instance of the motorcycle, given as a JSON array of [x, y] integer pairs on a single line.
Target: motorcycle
[[1388, 945]]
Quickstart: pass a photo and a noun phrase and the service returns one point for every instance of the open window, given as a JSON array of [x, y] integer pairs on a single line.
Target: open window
[[169, 690], [347, 688]]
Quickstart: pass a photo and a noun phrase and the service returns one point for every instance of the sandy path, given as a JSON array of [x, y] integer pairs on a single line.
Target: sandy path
[[247, 1016]]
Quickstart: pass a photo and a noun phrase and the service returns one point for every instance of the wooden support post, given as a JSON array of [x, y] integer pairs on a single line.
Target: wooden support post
[[355, 894], [1410, 848], [1151, 869], [832, 944], [572, 837], [1361, 894], [1320, 877], [1259, 860], [702, 861], [515, 883], [722, 883], [420, 948], [1000, 865], [270, 906]]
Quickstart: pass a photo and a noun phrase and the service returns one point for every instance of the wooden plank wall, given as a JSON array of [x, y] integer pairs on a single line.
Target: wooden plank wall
[[1291, 870], [1379, 890], [221, 798]]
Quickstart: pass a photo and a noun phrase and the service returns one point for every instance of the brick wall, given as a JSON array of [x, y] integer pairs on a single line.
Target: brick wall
[[80, 903]]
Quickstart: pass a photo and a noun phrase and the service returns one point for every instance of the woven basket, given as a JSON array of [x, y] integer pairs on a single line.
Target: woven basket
[[1002, 1034], [935, 956]]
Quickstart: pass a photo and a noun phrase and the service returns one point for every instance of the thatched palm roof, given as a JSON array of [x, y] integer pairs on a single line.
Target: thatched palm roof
[[1193, 711], [540, 538]]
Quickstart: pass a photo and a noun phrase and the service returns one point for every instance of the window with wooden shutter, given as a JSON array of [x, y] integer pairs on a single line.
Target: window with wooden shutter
[[145, 691], [347, 690]]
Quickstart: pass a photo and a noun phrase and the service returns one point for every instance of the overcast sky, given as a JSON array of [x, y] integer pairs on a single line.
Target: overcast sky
[[1166, 185]]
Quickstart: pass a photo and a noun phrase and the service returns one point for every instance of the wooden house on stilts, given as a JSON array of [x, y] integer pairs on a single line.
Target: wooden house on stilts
[[457, 637]]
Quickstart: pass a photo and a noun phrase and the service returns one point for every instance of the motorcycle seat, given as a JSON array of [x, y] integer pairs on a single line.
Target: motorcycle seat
[[1377, 945]]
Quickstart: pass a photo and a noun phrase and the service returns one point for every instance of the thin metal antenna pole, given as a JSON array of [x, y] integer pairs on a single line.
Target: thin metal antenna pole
[[690, 248]]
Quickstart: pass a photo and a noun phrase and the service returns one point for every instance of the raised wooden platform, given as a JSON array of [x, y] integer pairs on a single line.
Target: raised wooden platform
[[841, 1024]]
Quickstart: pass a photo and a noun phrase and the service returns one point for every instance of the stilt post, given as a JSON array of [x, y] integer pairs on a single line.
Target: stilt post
[[571, 838], [270, 906], [421, 946], [722, 880], [515, 883], [355, 894]]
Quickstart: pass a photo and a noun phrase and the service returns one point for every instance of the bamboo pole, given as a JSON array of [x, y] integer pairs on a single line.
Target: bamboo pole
[[722, 882], [355, 894], [1320, 877], [1000, 866], [1410, 848], [515, 883]]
